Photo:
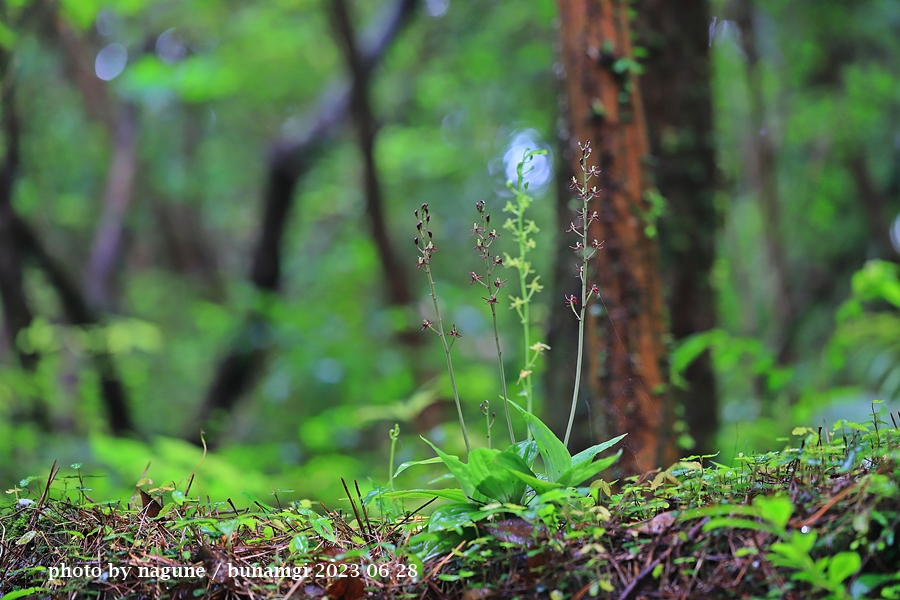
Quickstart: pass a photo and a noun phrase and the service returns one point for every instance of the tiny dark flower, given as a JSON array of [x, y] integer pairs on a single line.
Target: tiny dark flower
[[498, 283], [498, 261], [595, 289], [571, 301], [475, 277], [426, 324], [416, 240], [578, 247], [596, 244], [454, 332]]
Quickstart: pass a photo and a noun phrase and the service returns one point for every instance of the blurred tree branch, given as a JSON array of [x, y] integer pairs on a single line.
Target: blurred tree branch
[[17, 314], [395, 274], [17, 241], [121, 123], [290, 158]]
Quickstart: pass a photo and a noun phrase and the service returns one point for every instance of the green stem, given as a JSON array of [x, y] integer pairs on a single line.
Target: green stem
[[524, 313], [584, 298], [395, 432], [512, 435], [440, 324]]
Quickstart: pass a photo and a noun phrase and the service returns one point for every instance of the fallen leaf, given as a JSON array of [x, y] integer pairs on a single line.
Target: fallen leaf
[[151, 506]]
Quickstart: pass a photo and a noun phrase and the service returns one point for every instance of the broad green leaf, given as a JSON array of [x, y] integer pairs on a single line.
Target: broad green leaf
[[461, 471], [789, 553], [492, 480], [322, 526], [416, 463], [515, 465], [595, 450], [526, 449], [585, 470], [299, 544], [842, 566], [737, 523], [804, 541], [453, 516], [776, 510], [557, 459], [719, 511], [24, 593], [446, 494]]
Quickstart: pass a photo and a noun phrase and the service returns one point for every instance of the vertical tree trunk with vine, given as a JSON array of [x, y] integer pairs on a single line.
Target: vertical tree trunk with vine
[[624, 372], [677, 99]]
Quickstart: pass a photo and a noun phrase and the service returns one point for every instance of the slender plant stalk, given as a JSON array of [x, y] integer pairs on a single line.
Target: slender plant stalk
[[522, 229], [491, 262], [586, 251], [526, 318], [512, 435], [437, 311], [488, 420], [394, 434], [427, 249]]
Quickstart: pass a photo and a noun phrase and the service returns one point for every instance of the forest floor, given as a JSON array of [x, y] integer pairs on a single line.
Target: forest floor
[[816, 521]]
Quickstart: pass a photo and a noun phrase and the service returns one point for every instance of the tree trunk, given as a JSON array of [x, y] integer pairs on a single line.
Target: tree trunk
[[678, 104], [624, 340]]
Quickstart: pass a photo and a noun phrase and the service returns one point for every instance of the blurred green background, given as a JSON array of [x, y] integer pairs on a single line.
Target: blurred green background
[[151, 136]]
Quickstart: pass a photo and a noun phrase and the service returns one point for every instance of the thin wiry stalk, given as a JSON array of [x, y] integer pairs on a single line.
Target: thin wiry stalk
[[491, 262], [586, 251], [427, 249]]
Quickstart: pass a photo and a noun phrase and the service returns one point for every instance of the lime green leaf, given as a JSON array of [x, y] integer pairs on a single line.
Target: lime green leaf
[[842, 566], [454, 495], [593, 451], [416, 463], [491, 479], [737, 523], [24, 593], [515, 465], [585, 470], [299, 544], [527, 450], [453, 516], [776, 510], [557, 459], [461, 471]]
